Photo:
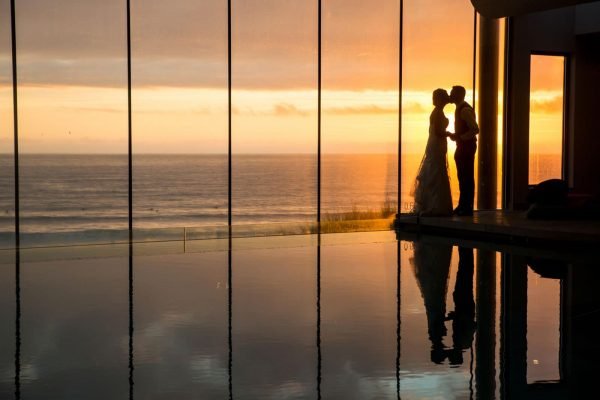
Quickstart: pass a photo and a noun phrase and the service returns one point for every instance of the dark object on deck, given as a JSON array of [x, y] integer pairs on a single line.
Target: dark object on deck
[[548, 200], [551, 200], [552, 192]]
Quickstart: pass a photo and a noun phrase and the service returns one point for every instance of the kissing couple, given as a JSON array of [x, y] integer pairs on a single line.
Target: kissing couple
[[432, 185]]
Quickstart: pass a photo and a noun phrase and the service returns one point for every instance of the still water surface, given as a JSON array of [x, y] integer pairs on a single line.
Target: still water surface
[[363, 316]]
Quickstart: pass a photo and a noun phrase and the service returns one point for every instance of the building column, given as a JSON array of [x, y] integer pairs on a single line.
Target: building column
[[485, 311], [489, 45], [513, 328]]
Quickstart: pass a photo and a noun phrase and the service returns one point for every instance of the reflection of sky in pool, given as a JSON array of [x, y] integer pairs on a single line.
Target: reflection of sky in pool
[[74, 323]]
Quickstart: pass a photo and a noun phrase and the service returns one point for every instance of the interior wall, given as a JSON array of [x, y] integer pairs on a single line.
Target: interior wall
[[586, 141], [587, 18], [547, 32], [554, 32], [582, 349]]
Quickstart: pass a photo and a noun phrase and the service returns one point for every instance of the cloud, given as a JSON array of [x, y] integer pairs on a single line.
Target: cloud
[[184, 43], [552, 105], [367, 109], [110, 110], [372, 109], [414, 108], [278, 110], [285, 109]]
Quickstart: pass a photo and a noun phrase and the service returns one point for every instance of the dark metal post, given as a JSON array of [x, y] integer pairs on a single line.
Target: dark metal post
[[229, 166], [230, 314], [131, 368], [18, 324], [129, 125], [400, 85], [130, 197], [319, 83], [513, 332], [319, 355], [229, 209], [398, 322], [474, 56], [13, 31], [485, 346]]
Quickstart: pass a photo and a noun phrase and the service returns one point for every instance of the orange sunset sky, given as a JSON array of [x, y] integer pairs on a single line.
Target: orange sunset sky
[[72, 75]]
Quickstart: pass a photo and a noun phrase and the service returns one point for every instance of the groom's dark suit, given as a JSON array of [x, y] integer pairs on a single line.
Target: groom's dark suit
[[464, 122]]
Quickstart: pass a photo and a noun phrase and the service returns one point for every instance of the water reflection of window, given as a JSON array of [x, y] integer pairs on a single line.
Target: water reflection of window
[[543, 327], [546, 117]]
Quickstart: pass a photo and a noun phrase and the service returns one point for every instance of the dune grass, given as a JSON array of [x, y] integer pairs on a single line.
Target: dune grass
[[358, 220]]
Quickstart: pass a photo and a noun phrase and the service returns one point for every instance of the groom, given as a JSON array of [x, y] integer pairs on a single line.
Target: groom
[[465, 136]]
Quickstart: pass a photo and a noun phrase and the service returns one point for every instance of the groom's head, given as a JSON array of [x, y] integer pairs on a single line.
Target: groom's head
[[457, 94]]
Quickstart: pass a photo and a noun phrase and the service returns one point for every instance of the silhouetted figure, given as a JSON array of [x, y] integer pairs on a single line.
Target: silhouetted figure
[[465, 136], [431, 264], [432, 185], [463, 316]]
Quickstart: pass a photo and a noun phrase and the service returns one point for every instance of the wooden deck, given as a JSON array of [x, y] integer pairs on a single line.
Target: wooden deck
[[506, 226]]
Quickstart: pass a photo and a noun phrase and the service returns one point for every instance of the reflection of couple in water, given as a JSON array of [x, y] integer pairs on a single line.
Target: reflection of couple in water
[[432, 185], [431, 263]]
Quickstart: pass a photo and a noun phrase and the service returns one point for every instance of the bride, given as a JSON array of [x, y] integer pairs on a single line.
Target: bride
[[432, 186]]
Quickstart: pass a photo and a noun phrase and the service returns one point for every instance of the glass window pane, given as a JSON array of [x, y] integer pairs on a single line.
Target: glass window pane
[[501, 82], [274, 105], [73, 121], [438, 53], [7, 178], [546, 118], [360, 114], [179, 56]]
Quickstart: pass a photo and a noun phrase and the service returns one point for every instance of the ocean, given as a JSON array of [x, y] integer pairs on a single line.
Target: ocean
[[87, 194]]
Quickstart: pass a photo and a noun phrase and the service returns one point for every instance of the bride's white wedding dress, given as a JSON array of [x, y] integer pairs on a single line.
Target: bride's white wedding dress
[[432, 185]]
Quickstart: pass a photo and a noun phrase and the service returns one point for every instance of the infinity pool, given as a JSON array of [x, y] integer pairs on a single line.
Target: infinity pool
[[349, 316]]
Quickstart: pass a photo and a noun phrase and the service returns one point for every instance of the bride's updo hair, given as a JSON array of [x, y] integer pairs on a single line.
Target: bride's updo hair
[[440, 97]]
